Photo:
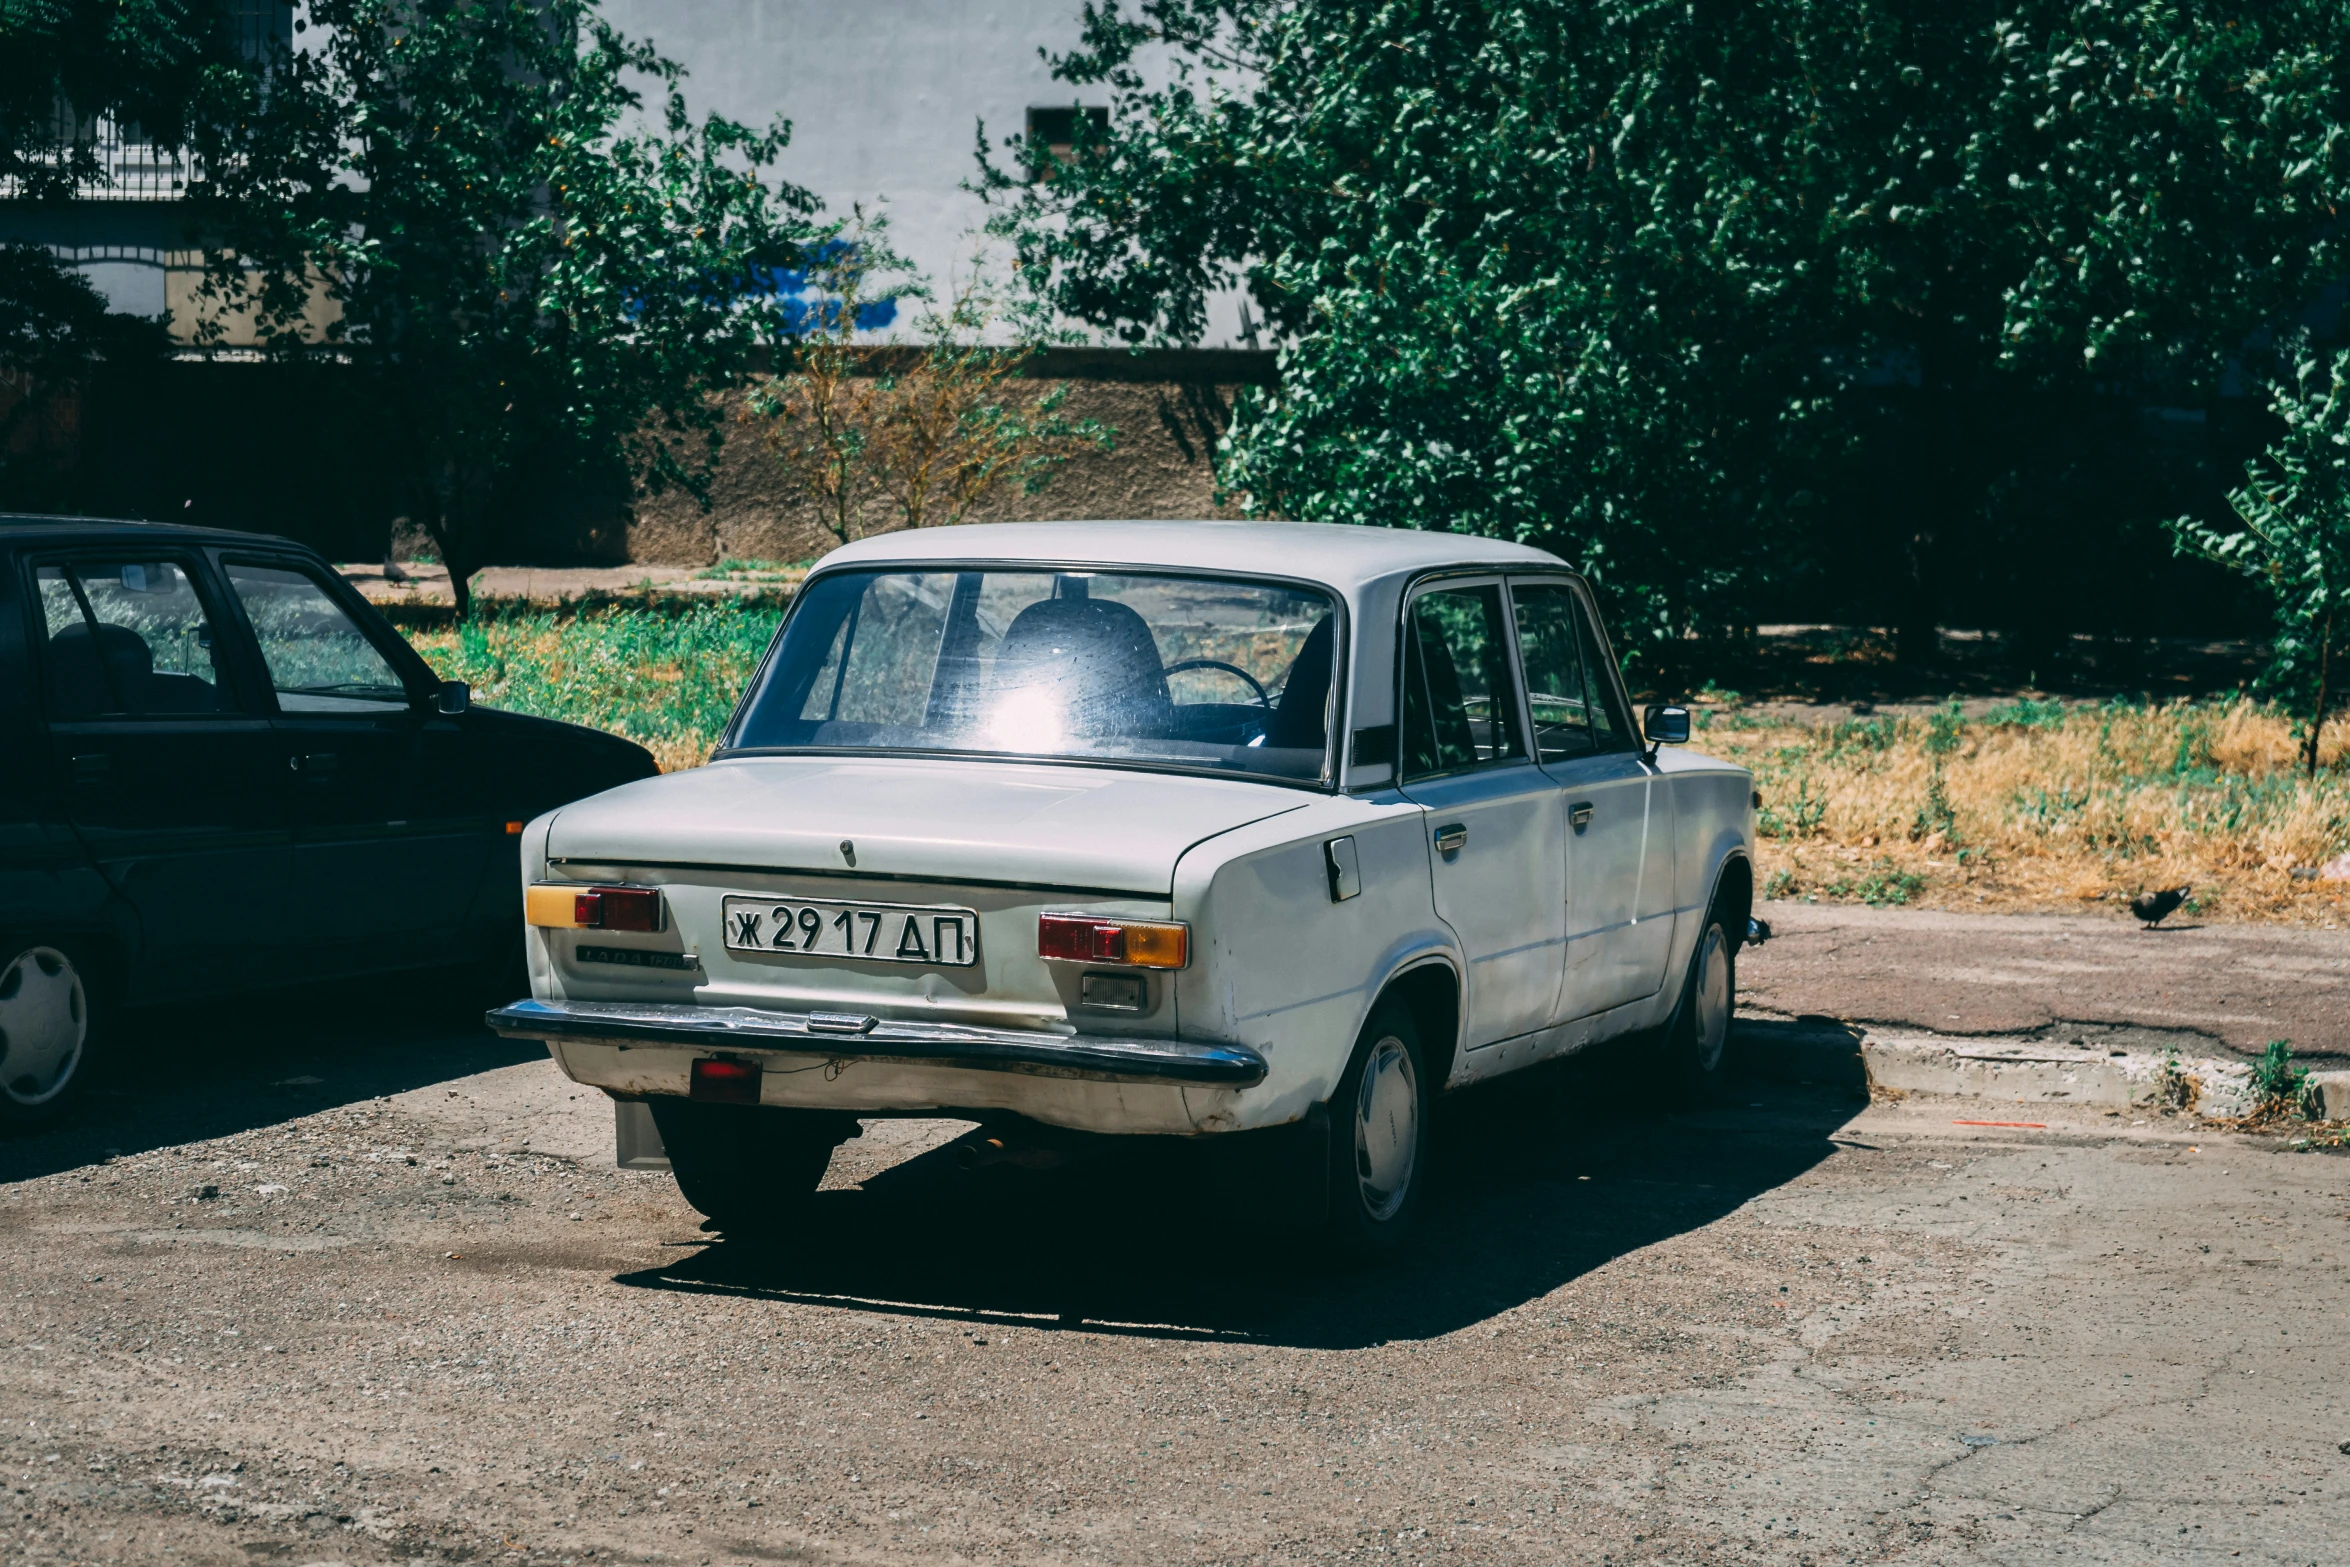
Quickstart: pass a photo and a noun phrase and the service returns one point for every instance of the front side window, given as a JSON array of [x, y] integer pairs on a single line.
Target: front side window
[[126, 639], [1211, 673], [1611, 725], [1460, 708], [319, 660], [1550, 648]]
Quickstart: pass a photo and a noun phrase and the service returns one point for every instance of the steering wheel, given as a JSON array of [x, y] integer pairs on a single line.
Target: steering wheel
[[1254, 684]]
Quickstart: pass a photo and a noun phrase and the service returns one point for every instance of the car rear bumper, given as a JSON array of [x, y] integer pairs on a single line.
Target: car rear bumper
[[1087, 1057]]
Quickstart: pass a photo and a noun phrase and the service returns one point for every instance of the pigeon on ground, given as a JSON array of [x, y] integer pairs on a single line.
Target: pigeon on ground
[[393, 571], [2155, 907]]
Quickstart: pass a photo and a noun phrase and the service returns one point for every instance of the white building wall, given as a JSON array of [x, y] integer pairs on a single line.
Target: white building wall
[[885, 98]]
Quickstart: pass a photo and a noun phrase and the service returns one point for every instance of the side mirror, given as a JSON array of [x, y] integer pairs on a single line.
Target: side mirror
[[455, 696], [1666, 725]]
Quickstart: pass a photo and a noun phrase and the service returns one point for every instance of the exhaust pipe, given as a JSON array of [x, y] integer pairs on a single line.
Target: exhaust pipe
[[1021, 1153]]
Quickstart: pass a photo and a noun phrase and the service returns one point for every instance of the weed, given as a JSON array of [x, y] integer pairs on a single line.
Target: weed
[[1779, 883], [1800, 818], [2025, 713], [2175, 1089], [1864, 736], [1884, 886], [1945, 729], [731, 569], [2278, 1086], [1938, 818]]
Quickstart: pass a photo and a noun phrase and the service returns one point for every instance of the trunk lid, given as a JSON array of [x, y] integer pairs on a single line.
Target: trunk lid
[[1083, 829]]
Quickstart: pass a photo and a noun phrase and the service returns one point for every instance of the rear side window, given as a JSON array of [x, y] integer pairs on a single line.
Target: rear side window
[[319, 660], [1460, 708], [126, 639]]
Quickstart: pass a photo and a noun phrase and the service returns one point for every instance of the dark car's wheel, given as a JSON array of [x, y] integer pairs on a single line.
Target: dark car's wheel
[[1379, 1139], [748, 1168], [48, 1026], [1698, 1042]]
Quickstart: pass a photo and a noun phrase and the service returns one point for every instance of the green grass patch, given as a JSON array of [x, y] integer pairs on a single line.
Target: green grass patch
[[668, 681]]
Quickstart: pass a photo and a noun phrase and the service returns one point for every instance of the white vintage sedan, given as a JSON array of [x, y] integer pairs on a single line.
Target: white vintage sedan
[[1259, 834]]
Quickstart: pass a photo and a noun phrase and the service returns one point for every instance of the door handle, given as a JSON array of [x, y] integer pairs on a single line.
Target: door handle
[[1451, 836], [92, 768], [1579, 814], [315, 763]]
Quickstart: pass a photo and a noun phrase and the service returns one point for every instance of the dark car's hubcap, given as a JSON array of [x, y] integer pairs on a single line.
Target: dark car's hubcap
[[44, 1020]]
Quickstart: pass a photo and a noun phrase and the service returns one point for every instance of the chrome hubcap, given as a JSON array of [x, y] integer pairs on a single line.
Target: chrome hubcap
[[1387, 1128], [1712, 999], [44, 1019]]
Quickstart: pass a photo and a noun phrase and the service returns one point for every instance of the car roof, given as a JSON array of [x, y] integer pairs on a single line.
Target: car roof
[[25, 525], [1344, 556]]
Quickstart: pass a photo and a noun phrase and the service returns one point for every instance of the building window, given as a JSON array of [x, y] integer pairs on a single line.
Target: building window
[[1066, 131]]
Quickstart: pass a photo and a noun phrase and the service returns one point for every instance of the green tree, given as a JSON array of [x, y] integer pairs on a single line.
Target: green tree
[[527, 265], [2292, 537], [1638, 280]]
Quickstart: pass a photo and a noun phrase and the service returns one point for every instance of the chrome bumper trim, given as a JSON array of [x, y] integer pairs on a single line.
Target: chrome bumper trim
[[1090, 1056]]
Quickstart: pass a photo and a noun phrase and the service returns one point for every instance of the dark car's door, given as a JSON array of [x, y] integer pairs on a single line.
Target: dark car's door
[[385, 863], [165, 762]]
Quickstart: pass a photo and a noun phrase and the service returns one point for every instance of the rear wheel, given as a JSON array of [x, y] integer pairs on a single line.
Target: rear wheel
[[750, 1169], [47, 1030], [1379, 1139], [1699, 1041]]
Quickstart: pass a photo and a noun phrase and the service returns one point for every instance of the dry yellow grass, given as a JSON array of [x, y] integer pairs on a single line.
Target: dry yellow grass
[[2043, 806]]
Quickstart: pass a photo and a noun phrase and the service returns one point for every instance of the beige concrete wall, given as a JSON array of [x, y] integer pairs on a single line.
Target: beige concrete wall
[[1161, 465]]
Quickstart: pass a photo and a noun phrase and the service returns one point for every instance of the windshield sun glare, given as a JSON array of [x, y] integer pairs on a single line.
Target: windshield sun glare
[[1218, 674]]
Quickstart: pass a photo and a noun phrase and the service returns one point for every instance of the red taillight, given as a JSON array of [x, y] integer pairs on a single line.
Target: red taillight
[[617, 908], [720, 1080], [1078, 938]]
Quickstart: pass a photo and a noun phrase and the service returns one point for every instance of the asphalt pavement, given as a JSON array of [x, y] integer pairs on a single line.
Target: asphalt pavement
[[377, 1294], [2211, 989]]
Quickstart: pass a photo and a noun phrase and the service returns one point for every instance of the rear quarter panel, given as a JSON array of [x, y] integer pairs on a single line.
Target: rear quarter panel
[[1276, 965]]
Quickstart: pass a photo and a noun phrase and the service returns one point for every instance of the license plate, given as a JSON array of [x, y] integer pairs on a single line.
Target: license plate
[[933, 934]]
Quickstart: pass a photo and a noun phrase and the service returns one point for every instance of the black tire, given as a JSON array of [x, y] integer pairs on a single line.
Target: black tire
[[1697, 1043], [750, 1169], [51, 1016], [1379, 1139]]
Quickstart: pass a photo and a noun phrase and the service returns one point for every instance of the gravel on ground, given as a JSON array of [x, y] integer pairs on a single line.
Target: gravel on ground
[[375, 1293]]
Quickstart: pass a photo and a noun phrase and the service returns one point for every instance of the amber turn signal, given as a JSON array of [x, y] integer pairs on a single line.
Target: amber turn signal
[[569, 906], [1085, 938]]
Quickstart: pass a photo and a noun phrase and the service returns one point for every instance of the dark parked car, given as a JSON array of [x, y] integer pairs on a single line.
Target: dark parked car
[[221, 770]]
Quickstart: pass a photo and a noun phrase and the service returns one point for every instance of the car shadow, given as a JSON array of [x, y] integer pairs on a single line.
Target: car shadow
[[185, 1074], [1541, 1179]]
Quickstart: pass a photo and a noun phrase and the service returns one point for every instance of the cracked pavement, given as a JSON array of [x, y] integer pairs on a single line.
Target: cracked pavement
[[422, 1318], [2211, 989]]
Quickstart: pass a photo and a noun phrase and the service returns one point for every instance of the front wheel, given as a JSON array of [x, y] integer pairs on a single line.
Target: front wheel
[[749, 1169], [47, 1023], [1699, 1042], [1379, 1139]]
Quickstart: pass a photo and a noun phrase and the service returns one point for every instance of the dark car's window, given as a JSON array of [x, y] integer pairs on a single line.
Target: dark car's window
[[126, 639], [1550, 647], [1459, 707], [319, 660], [1216, 673]]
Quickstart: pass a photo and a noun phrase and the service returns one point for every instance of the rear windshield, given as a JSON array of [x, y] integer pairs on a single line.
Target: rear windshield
[[1219, 674]]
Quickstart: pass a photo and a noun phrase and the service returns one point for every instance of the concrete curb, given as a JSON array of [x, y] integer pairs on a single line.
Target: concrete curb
[[2009, 1070]]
